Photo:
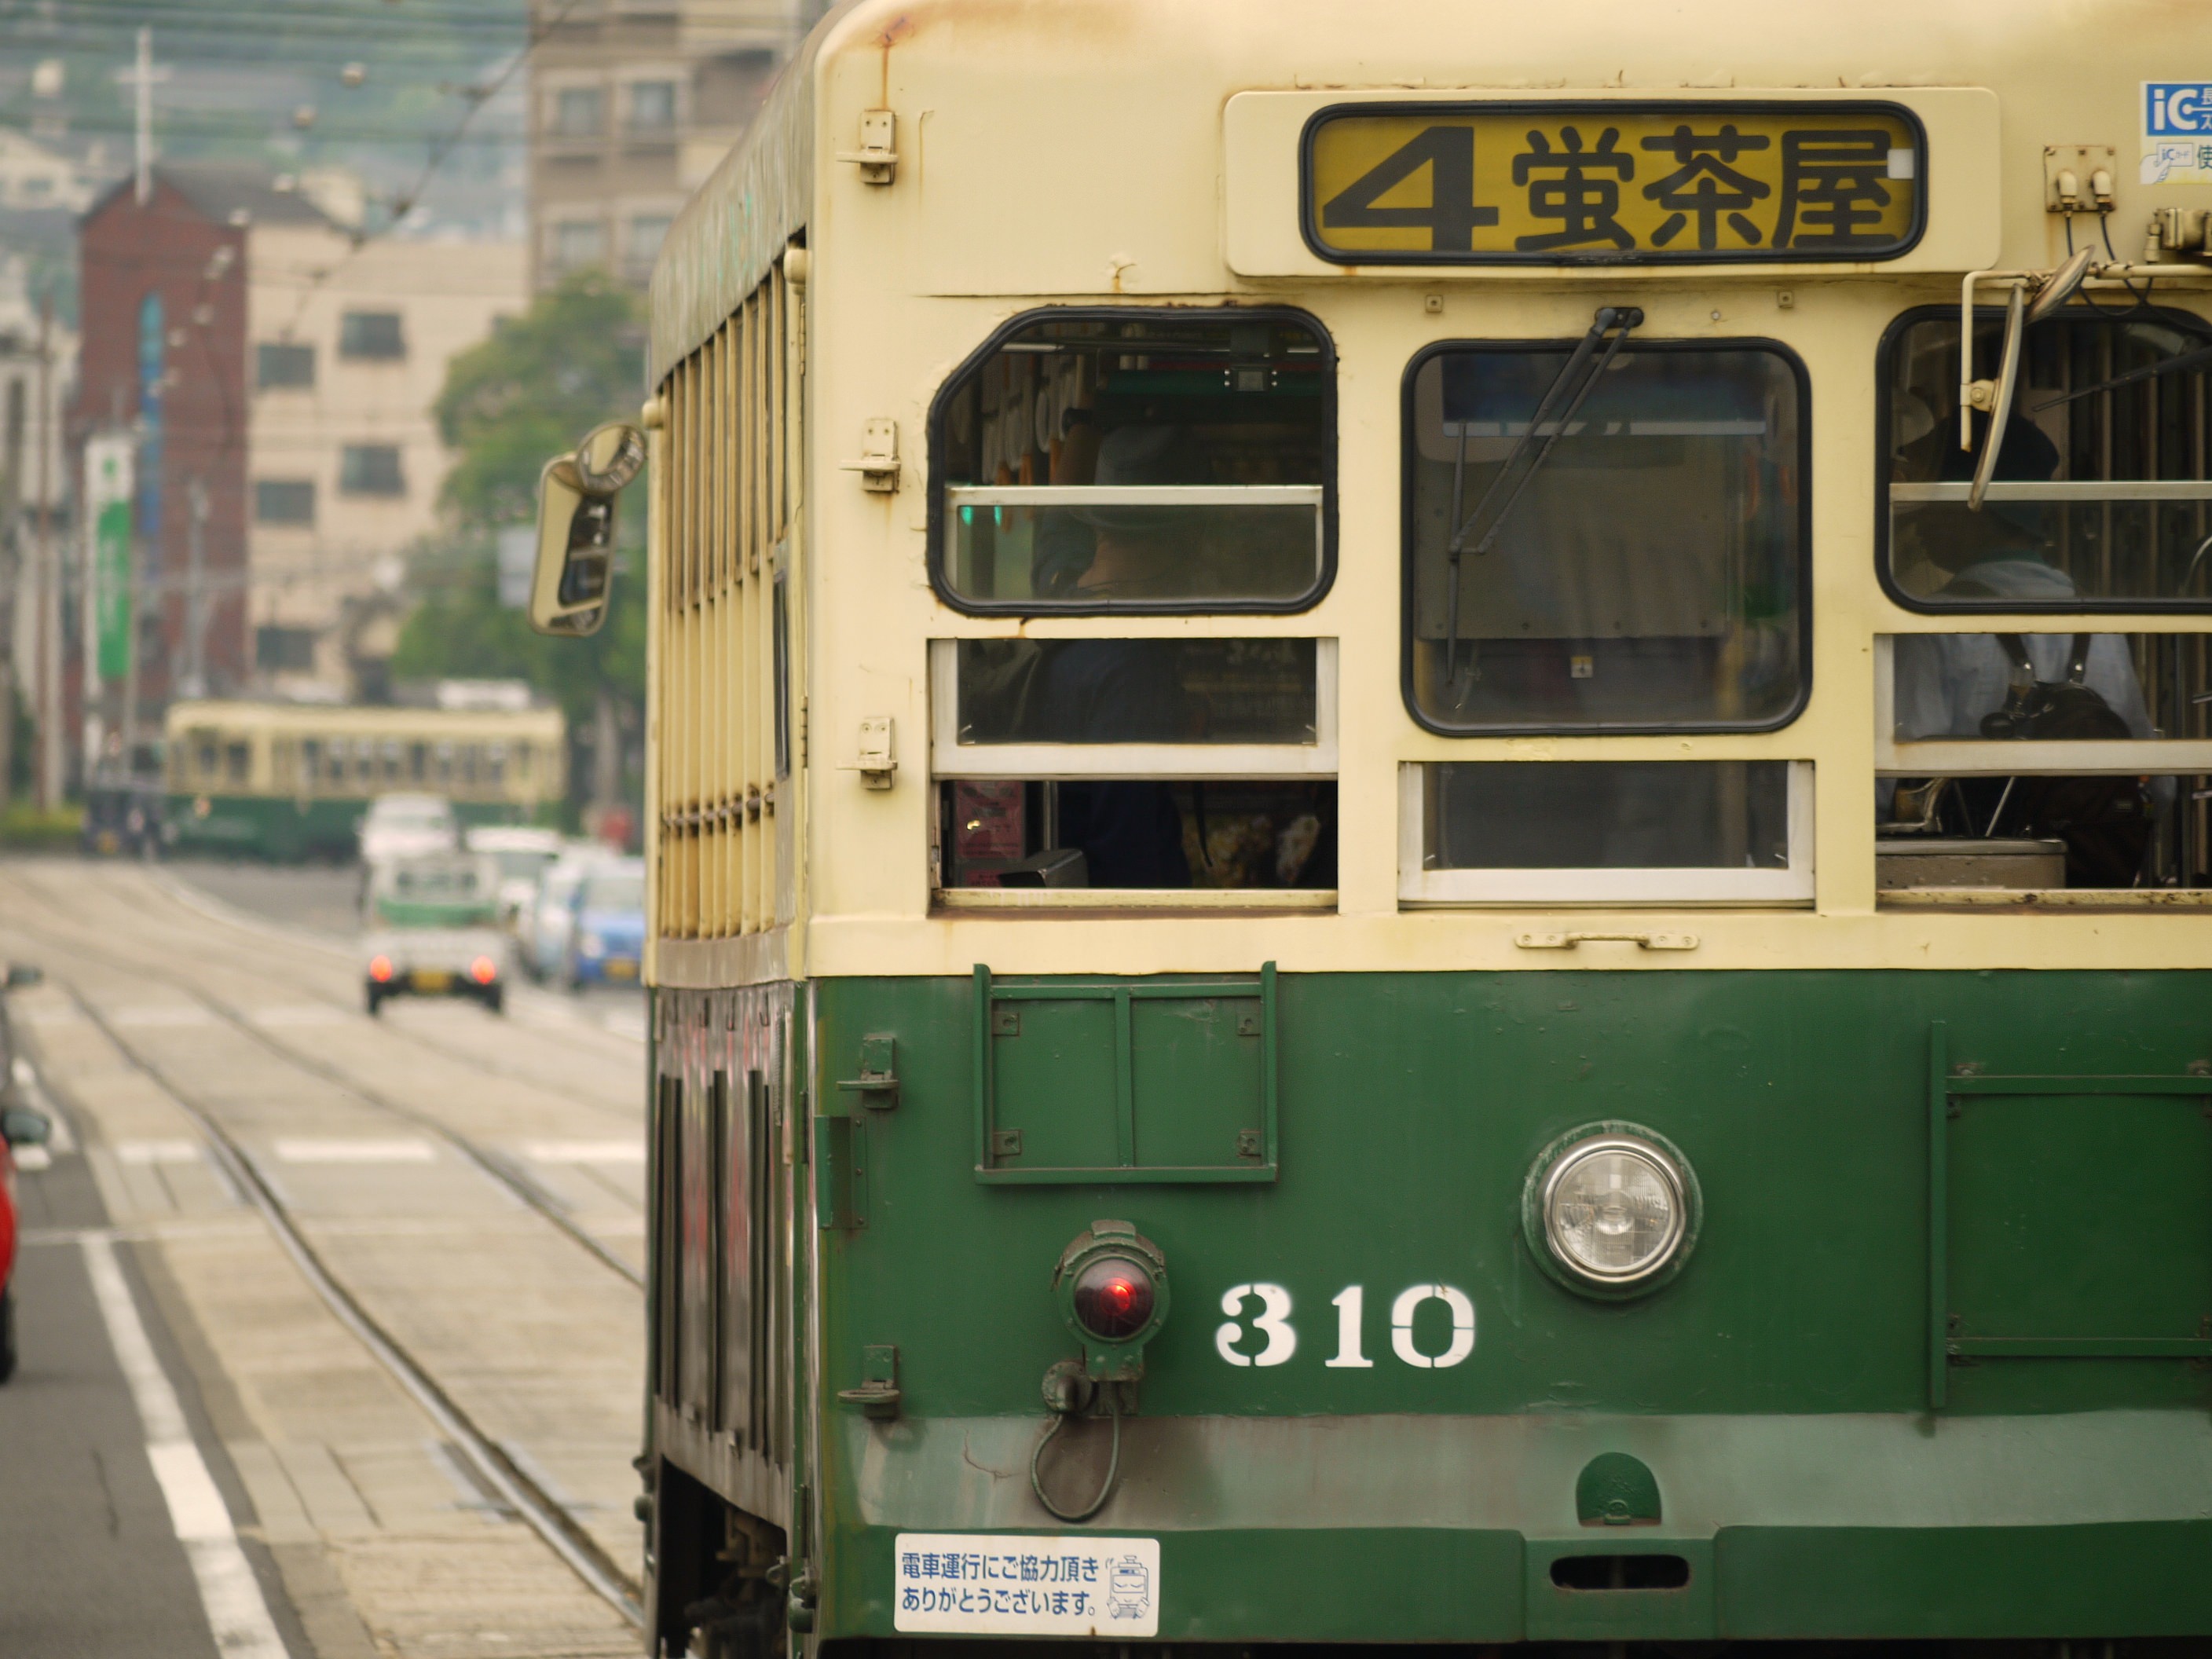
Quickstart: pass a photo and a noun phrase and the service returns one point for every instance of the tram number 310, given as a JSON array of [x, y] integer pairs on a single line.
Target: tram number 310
[[1272, 1322]]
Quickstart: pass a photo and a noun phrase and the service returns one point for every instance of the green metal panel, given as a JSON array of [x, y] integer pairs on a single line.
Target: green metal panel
[[1777, 1390], [1132, 1082]]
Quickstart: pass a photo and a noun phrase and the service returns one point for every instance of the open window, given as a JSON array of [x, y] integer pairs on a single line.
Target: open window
[[1135, 771], [2045, 763], [2100, 498], [1624, 554], [1092, 461]]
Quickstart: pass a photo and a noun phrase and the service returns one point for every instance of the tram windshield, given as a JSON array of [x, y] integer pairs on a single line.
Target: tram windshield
[[1649, 574], [2100, 492], [1138, 462]]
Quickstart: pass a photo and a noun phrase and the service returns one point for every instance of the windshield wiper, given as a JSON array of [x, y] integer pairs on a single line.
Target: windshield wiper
[[1608, 329]]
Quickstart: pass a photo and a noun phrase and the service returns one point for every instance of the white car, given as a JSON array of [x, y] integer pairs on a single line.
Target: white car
[[522, 854], [402, 826], [542, 930], [430, 931]]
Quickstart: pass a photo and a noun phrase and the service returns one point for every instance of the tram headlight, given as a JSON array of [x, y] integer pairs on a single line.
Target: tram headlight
[[1615, 1208]]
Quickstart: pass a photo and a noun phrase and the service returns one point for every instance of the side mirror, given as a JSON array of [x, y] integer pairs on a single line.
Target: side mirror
[[576, 492], [21, 1127], [22, 975]]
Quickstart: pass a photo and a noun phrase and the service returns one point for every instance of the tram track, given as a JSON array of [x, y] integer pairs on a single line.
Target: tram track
[[555, 1524], [241, 962], [492, 1164]]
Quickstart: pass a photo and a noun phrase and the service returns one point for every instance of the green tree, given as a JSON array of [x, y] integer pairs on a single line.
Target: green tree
[[543, 379], [576, 358]]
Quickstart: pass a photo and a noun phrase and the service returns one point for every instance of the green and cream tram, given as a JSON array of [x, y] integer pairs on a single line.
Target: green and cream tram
[[1388, 668], [291, 780]]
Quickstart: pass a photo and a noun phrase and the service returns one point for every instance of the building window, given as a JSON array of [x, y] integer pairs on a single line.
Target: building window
[[647, 232], [577, 113], [278, 650], [373, 334], [652, 106], [278, 363], [284, 501], [371, 470], [579, 242]]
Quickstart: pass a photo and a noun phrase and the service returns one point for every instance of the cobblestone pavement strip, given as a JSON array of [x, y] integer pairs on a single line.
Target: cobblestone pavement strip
[[539, 1343]]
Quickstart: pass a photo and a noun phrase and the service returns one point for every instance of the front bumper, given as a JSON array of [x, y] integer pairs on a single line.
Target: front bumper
[[1438, 1528]]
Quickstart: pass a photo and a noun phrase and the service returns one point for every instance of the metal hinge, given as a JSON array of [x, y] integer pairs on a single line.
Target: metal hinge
[[879, 462], [878, 1394], [877, 1084], [877, 160]]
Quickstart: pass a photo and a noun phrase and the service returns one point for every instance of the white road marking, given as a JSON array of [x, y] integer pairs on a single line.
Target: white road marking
[[584, 1151], [161, 1014], [31, 1160], [158, 1151], [285, 1014], [408, 1150], [237, 1614]]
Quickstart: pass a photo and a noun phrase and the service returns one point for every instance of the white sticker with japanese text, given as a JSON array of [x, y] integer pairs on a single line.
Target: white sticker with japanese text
[[1005, 1584]]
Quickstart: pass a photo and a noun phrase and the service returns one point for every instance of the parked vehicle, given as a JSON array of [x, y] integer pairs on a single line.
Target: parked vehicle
[[20, 1125], [433, 931], [607, 940], [522, 852], [543, 929]]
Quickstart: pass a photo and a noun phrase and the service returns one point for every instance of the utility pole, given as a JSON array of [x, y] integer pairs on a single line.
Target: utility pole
[[195, 679], [49, 619], [142, 80]]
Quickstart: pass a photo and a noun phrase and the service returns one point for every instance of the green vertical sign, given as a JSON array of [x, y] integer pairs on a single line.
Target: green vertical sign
[[107, 488]]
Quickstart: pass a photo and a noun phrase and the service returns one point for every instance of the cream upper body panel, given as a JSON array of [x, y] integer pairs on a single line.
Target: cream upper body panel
[[1103, 151]]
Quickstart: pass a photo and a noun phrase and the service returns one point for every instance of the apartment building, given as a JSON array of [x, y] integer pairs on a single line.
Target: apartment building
[[278, 380], [631, 104]]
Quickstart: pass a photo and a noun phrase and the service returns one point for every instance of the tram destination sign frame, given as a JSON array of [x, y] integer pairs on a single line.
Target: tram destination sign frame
[[1612, 181]]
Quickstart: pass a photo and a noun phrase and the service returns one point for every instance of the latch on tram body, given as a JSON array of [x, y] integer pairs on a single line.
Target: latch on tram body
[[877, 463], [875, 158]]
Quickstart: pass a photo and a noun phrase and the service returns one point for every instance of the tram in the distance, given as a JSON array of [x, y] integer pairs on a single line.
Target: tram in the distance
[[1430, 851]]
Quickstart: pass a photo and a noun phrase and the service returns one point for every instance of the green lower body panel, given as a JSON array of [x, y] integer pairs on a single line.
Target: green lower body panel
[[1935, 1363], [1464, 1530]]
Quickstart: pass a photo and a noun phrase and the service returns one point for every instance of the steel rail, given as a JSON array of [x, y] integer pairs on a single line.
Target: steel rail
[[544, 1514], [499, 1168]]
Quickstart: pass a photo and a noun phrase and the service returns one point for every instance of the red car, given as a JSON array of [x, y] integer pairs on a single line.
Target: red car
[[20, 1125]]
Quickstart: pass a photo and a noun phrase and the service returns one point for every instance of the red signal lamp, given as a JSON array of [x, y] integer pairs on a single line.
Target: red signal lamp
[[1112, 1283]]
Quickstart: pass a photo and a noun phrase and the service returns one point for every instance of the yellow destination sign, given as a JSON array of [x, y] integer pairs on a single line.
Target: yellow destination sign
[[1612, 183]]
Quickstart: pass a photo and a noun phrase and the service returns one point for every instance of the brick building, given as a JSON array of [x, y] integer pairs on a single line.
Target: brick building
[[163, 321]]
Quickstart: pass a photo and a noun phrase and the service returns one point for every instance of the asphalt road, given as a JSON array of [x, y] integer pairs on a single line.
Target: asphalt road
[[90, 1562]]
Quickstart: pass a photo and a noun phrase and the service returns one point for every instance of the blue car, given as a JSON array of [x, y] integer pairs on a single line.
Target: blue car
[[606, 935]]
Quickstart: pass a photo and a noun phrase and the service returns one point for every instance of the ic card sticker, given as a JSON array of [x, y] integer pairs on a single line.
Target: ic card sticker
[[2177, 121], [1003, 1584]]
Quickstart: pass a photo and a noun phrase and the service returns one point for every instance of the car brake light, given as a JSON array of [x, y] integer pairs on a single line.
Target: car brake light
[[484, 970], [380, 968]]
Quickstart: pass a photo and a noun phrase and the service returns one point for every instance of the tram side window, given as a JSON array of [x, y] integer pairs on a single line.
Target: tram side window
[[2045, 760], [2099, 493], [238, 762], [1642, 568], [1120, 764], [310, 762], [1136, 460]]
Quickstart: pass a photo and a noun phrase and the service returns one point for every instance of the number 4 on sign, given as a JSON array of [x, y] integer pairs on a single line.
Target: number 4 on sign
[[1451, 217]]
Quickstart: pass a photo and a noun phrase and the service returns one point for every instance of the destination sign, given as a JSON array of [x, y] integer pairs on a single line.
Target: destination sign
[[1606, 182]]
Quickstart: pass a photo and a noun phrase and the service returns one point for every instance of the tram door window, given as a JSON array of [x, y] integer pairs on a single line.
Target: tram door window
[[1136, 460], [1640, 566], [237, 763], [311, 763], [1135, 763], [2101, 489], [2065, 757]]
